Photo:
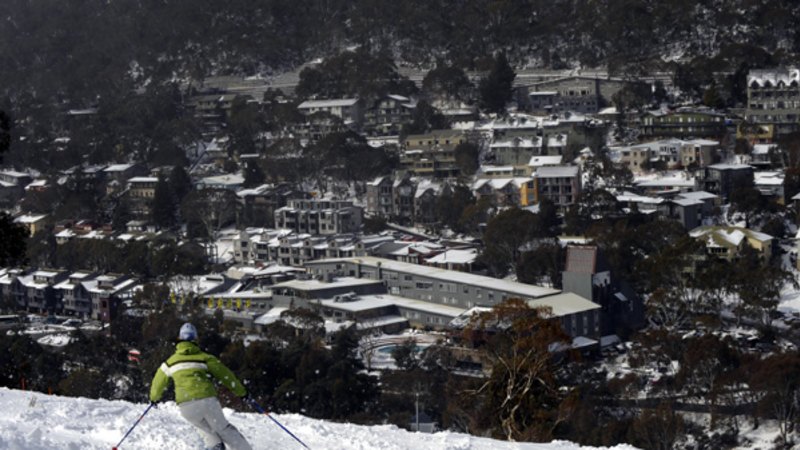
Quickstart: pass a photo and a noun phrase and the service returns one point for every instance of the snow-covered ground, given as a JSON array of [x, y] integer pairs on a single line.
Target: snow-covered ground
[[34, 421]]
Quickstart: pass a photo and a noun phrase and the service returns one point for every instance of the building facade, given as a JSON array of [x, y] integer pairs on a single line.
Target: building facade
[[773, 101], [315, 216]]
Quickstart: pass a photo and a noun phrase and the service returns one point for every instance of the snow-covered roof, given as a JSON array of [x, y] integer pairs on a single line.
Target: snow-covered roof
[[334, 103], [774, 77], [762, 149], [315, 285], [271, 316], [422, 248], [666, 182], [517, 142], [455, 256], [199, 285], [497, 169], [636, 198], [228, 179], [117, 168], [557, 171], [143, 180], [376, 182], [541, 161], [484, 282], [564, 304], [36, 184], [698, 195], [730, 166], [29, 218], [14, 173], [425, 186], [369, 302], [687, 202], [702, 142], [728, 236], [559, 140], [768, 178]]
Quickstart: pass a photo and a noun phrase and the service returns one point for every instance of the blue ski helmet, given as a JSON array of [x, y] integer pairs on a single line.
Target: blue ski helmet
[[188, 332]]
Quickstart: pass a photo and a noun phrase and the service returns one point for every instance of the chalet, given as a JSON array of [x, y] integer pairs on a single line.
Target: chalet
[[349, 110], [107, 292], [75, 298], [319, 216], [41, 295], [388, 115], [32, 222], [583, 94], [559, 184], [727, 242], [772, 101], [683, 123], [723, 179]]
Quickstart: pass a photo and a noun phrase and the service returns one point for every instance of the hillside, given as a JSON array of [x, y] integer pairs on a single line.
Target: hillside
[[34, 421]]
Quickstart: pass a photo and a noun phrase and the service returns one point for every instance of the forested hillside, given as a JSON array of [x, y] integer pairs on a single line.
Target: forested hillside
[[59, 56], [90, 46]]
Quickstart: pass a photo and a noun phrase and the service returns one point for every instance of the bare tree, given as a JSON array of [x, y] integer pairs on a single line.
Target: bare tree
[[212, 208], [520, 398]]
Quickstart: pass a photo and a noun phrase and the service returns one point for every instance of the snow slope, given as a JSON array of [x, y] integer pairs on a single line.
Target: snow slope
[[34, 421]]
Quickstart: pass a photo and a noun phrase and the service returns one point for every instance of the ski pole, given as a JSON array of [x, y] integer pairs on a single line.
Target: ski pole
[[134, 425], [261, 410]]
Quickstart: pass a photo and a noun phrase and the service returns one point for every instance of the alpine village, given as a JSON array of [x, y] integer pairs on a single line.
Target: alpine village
[[527, 220]]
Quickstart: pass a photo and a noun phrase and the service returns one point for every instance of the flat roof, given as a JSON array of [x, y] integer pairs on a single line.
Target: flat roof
[[328, 103], [369, 302], [525, 290], [557, 171], [564, 304], [317, 285], [698, 195]]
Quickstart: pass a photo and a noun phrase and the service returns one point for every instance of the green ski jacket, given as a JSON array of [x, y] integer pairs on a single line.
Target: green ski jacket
[[191, 370]]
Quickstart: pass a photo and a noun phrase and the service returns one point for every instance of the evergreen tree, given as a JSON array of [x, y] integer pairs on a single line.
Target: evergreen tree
[[405, 355], [12, 236], [253, 175], [180, 184], [447, 82], [496, 89], [162, 208], [12, 241], [466, 155], [424, 119], [504, 238]]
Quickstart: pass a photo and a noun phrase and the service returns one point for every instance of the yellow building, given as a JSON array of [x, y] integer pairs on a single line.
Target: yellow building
[[33, 223], [727, 242]]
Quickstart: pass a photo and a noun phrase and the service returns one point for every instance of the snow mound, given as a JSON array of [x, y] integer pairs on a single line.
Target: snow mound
[[34, 421]]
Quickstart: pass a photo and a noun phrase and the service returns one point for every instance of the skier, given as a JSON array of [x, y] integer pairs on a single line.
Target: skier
[[191, 370]]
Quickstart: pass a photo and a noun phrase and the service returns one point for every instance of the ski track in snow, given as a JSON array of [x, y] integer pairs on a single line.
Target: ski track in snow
[[35, 421]]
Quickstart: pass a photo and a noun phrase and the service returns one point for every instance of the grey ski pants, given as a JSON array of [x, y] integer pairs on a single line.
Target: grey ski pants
[[206, 414]]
